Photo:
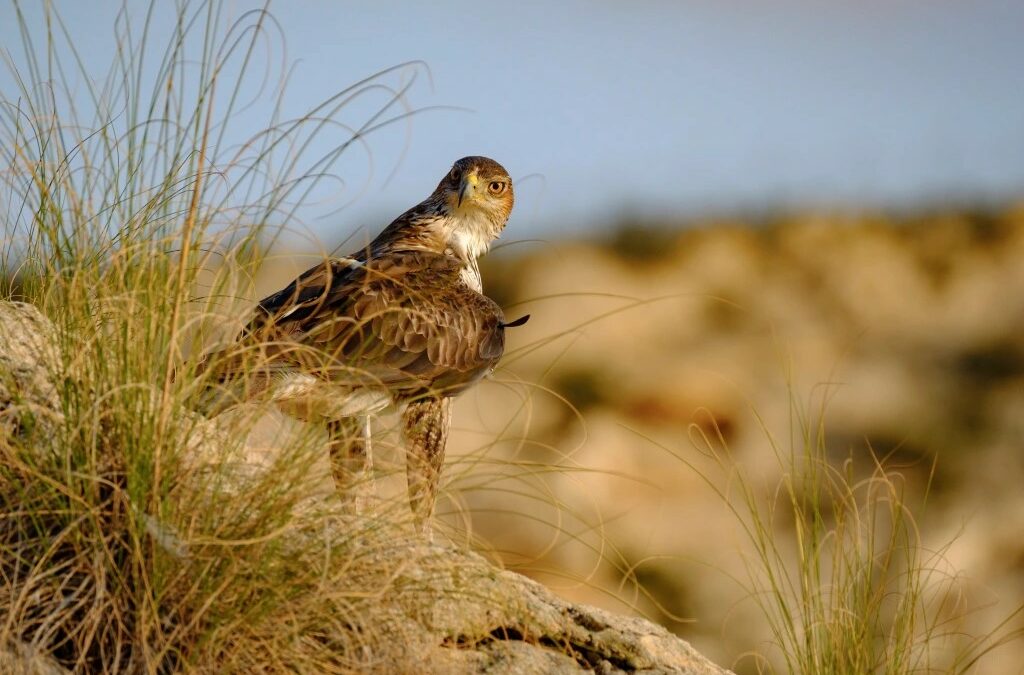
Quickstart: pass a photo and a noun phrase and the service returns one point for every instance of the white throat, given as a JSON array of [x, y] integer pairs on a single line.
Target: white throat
[[469, 239], [472, 235]]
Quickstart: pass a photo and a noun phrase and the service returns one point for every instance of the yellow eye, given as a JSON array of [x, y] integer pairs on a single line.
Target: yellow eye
[[496, 187]]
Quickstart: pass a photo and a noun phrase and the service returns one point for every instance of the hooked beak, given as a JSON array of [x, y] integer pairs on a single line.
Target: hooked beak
[[468, 186]]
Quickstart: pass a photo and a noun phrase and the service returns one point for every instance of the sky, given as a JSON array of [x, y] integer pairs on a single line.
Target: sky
[[602, 108]]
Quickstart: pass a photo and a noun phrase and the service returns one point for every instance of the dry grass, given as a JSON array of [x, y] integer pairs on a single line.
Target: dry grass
[[117, 554], [836, 564]]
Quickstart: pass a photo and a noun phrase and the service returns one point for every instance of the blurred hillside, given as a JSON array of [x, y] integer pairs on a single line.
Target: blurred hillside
[[908, 333]]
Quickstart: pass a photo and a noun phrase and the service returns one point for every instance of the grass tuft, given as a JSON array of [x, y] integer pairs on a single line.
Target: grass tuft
[[133, 536], [837, 566]]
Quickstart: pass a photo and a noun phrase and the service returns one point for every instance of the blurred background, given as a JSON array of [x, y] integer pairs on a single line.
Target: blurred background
[[724, 209]]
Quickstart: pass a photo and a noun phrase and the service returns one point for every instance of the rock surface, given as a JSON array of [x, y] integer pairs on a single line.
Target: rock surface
[[17, 658], [28, 365], [486, 620]]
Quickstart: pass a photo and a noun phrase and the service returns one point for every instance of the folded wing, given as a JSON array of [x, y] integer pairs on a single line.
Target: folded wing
[[405, 320]]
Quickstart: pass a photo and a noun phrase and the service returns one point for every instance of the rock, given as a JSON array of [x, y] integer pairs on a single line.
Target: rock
[[244, 444], [29, 367], [18, 658], [480, 619]]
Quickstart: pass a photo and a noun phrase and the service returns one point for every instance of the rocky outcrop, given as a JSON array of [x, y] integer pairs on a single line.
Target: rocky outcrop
[[455, 612], [485, 620]]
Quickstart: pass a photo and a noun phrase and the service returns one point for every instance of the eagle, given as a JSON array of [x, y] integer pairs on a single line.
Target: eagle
[[402, 322]]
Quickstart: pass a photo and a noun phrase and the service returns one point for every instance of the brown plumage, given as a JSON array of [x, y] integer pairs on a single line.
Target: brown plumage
[[403, 321]]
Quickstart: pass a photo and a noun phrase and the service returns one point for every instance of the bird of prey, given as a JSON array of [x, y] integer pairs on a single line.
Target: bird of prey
[[402, 322]]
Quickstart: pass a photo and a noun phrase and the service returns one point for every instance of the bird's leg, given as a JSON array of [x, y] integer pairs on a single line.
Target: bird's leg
[[351, 459], [425, 423], [365, 488], [367, 445]]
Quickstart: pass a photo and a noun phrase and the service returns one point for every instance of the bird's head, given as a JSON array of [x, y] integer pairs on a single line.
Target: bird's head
[[477, 184], [477, 196]]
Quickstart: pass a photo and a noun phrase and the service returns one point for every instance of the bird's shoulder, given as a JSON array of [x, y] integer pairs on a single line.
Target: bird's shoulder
[[432, 285], [430, 281]]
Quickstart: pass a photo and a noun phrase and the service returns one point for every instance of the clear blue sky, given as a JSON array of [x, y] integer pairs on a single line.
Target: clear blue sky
[[666, 107]]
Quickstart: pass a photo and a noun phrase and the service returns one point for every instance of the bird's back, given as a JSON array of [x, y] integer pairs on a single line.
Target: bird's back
[[405, 322]]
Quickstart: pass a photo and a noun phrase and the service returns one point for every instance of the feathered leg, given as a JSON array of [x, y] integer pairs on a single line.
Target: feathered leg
[[425, 423], [352, 458]]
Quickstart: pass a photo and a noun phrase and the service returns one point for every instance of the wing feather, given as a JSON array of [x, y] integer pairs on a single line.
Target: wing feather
[[405, 318]]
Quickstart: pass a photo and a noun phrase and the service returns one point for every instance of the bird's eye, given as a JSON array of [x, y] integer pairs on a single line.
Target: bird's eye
[[496, 187], [454, 174]]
